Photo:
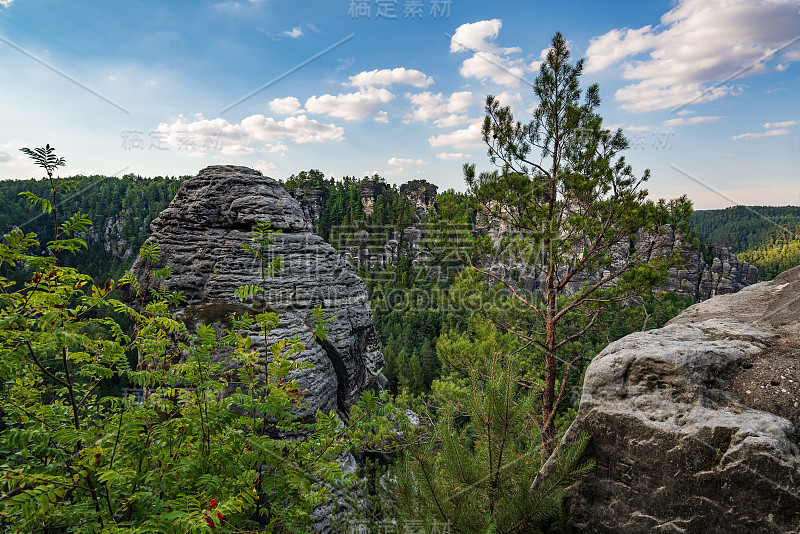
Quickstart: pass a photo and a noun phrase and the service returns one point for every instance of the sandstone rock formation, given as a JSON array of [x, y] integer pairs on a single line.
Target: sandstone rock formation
[[378, 248], [680, 433], [369, 194], [694, 277], [310, 199], [200, 235], [422, 195]]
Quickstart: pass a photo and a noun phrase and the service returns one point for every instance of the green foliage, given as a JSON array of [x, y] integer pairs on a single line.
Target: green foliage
[[742, 228], [121, 208], [342, 212], [570, 202], [475, 467], [773, 258], [765, 236], [201, 451]]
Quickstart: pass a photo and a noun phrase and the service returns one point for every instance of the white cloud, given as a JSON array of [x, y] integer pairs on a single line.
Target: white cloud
[[509, 99], [382, 116], [451, 120], [266, 167], [692, 120], [299, 129], [610, 48], [637, 129], [489, 60], [784, 124], [389, 76], [277, 148], [435, 106], [294, 33], [498, 69], [452, 155], [697, 44], [405, 161], [470, 136], [285, 106], [349, 106], [478, 36], [768, 133], [6, 3], [218, 134]]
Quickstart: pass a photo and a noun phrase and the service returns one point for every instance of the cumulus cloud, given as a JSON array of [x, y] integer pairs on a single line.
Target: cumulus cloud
[[6, 3], [385, 77], [468, 137], [427, 105], [218, 134], [479, 37], [451, 120], [489, 61], [452, 155], [382, 116], [507, 98], [266, 167], [405, 161], [285, 106], [349, 106], [299, 129], [697, 45], [681, 121]]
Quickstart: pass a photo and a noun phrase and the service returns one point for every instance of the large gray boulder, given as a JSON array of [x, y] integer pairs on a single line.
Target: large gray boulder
[[200, 235], [694, 426]]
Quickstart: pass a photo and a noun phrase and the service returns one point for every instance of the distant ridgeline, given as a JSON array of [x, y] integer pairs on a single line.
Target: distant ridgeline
[[375, 225], [765, 236], [120, 210]]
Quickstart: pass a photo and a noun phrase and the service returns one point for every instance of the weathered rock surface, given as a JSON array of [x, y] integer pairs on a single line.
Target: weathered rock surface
[[694, 277], [200, 235], [369, 194], [679, 448], [422, 195], [380, 247]]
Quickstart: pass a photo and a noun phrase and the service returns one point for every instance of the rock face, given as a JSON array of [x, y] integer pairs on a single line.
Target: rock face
[[679, 430], [200, 235], [694, 278], [701, 280], [310, 199], [369, 194], [421, 194]]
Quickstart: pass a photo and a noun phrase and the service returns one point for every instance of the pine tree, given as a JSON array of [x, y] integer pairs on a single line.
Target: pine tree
[[476, 476], [571, 208]]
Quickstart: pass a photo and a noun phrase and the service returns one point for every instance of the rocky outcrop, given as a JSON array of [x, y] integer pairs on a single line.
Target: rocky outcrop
[[694, 426], [701, 280], [108, 235], [310, 199], [421, 194], [200, 235], [693, 277]]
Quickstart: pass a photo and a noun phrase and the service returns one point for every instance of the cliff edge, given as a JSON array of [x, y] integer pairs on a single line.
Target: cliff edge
[[694, 426]]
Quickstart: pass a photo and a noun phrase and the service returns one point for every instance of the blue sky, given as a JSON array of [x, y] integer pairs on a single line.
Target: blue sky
[[706, 90]]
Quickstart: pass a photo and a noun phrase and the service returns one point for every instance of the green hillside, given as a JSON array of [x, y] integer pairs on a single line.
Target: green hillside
[[120, 209], [765, 236]]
